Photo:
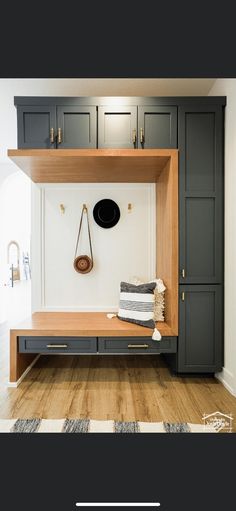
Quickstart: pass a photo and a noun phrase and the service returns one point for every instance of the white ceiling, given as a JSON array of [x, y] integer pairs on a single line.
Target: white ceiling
[[140, 87], [109, 86]]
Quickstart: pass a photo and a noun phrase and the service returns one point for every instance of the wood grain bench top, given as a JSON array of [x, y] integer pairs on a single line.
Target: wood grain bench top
[[86, 324]]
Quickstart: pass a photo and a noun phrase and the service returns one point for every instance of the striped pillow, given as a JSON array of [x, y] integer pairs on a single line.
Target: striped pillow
[[137, 303], [159, 293]]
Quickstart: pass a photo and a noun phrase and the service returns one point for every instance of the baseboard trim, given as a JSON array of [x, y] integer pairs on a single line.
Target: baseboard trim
[[227, 379], [15, 384]]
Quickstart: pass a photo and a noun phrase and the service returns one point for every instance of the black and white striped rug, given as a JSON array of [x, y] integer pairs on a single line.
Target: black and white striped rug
[[97, 426]]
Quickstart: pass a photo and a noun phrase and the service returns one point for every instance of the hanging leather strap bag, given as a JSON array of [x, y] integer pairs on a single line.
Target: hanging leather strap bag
[[83, 263]]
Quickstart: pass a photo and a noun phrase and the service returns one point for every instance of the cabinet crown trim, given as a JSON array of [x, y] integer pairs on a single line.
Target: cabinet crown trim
[[124, 100]]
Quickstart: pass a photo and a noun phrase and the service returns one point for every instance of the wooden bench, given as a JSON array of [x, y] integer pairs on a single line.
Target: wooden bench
[[81, 333]]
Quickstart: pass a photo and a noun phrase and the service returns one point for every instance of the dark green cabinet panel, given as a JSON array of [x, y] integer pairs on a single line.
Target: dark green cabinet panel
[[200, 151], [157, 127], [200, 343], [34, 124], [78, 127], [201, 255], [201, 194], [117, 126]]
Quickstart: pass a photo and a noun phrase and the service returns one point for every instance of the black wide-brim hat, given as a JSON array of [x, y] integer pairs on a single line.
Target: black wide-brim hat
[[106, 213]]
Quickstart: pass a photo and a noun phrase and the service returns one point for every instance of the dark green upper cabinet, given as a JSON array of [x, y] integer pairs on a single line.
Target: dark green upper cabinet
[[36, 127], [76, 127], [200, 343], [117, 127], [157, 127], [201, 194], [51, 127]]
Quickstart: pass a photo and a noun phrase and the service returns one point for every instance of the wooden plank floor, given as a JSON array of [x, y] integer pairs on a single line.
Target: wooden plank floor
[[113, 387]]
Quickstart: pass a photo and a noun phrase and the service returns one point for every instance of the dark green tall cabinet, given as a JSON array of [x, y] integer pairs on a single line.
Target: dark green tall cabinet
[[201, 187], [201, 192], [194, 125]]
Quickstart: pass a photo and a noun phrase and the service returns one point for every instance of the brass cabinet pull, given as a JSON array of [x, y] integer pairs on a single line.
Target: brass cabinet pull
[[51, 135], [57, 345], [183, 273], [183, 296], [138, 345], [59, 136], [141, 135], [134, 136]]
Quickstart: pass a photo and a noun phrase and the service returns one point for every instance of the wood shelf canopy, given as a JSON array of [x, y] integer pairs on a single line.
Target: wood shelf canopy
[[92, 165], [158, 166]]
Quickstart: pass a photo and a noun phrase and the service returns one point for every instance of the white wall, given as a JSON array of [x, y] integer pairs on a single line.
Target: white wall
[[126, 250], [227, 87]]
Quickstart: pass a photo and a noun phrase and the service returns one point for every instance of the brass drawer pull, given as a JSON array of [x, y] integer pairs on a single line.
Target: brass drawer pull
[[51, 135], [57, 345], [141, 135], [183, 273], [134, 136], [59, 136], [138, 345]]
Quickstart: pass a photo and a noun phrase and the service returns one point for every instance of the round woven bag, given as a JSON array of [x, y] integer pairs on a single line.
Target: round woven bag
[[83, 264]]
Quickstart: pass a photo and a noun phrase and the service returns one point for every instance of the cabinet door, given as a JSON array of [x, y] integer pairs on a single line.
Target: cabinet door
[[34, 124], [201, 195], [200, 343], [158, 125], [78, 127], [117, 126]]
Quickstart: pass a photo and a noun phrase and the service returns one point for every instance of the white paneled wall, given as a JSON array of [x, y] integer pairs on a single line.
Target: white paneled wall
[[126, 250]]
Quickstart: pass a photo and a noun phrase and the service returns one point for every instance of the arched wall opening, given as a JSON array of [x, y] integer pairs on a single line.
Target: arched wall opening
[[15, 226]]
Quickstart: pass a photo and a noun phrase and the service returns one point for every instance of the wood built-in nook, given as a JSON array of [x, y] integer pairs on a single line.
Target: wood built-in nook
[[158, 166]]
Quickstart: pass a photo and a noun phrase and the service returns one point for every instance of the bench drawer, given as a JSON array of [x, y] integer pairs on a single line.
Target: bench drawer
[[58, 344], [136, 345]]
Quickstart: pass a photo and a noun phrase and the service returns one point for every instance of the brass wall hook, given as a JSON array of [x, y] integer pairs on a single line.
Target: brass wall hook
[[85, 209], [129, 207], [62, 208]]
